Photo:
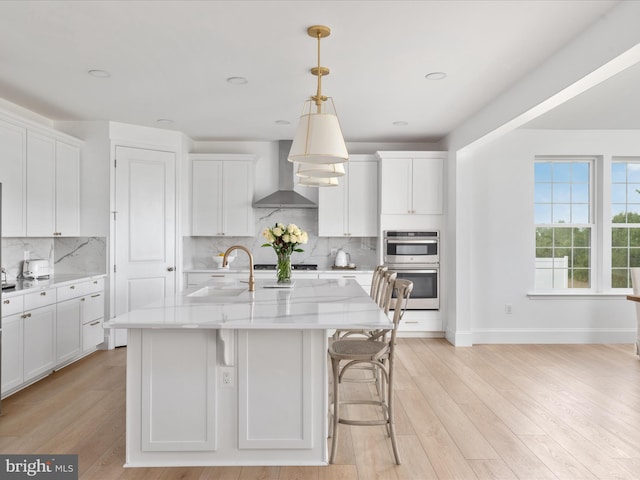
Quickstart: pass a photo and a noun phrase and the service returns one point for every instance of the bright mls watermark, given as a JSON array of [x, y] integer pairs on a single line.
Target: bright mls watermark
[[39, 467]]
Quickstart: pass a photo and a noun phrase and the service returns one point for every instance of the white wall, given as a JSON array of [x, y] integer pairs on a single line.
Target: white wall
[[498, 209]]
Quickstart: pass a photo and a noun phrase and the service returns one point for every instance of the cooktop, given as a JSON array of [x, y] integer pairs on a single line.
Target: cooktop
[[294, 266]]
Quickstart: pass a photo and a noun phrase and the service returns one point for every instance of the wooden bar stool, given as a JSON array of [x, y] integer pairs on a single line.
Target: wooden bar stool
[[381, 293], [376, 351]]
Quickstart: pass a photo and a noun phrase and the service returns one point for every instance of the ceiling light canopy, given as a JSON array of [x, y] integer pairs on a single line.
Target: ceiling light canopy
[[318, 139]]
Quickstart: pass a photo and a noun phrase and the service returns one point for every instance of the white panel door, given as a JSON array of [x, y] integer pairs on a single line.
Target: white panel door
[[144, 229]]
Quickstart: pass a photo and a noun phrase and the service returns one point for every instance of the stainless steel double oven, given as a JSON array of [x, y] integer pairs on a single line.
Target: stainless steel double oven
[[415, 255]]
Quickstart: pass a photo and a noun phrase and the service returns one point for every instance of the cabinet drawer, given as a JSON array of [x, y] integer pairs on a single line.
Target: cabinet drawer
[[11, 306], [72, 291], [93, 307], [92, 334], [39, 299], [94, 286]]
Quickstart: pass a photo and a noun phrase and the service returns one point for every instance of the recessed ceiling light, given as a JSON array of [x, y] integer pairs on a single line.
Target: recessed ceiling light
[[237, 80], [164, 121], [435, 76], [283, 122], [401, 123], [99, 73]]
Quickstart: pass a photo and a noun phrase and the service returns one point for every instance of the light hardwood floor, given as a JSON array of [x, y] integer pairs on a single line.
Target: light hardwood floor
[[490, 411]]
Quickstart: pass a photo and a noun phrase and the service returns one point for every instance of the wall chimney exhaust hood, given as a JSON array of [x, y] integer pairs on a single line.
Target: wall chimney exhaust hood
[[285, 196]]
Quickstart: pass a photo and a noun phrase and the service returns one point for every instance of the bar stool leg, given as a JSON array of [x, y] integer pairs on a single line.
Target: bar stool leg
[[335, 364], [391, 419]]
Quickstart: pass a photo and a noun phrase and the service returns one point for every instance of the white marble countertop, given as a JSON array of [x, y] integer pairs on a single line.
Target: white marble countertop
[[24, 286], [227, 304]]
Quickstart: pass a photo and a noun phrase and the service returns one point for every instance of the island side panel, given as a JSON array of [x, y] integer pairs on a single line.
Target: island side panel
[[275, 389], [298, 442]]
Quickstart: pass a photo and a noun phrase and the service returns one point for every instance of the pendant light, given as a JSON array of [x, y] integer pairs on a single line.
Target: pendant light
[[318, 182], [320, 170], [318, 139]]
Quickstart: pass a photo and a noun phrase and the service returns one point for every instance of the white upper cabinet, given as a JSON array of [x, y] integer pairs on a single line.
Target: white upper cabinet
[[13, 157], [351, 208], [53, 186], [67, 189], [222, 193], [412, 183]]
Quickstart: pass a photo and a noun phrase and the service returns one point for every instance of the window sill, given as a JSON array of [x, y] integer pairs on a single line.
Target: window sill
[[583, 294]]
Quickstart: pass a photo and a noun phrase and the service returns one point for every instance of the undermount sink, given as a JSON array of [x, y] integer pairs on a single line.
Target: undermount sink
[[212, 291]]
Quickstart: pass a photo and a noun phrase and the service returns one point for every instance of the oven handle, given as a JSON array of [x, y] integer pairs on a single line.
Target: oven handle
[[421, 242]]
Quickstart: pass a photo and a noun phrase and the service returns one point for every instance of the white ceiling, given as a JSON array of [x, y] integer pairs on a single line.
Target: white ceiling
[[171, 59]]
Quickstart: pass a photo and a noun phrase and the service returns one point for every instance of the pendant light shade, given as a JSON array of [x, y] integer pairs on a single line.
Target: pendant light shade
[[318, 182], [320, 170], [318, 138]]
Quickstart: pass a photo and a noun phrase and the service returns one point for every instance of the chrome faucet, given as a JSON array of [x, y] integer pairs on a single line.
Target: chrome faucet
[[252, 282]]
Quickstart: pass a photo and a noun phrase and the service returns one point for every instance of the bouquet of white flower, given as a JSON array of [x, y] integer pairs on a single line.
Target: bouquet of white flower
[[285, 239]]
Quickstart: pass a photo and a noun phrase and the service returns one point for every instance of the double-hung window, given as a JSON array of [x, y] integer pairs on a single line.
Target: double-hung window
[[564, 222], [625, 219]]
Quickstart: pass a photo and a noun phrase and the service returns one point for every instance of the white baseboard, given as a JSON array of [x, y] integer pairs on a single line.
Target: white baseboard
[[554, 336]]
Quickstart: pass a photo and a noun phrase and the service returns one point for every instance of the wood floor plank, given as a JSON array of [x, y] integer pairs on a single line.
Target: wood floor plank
[[547, 411], [556, 458], [492, 469]]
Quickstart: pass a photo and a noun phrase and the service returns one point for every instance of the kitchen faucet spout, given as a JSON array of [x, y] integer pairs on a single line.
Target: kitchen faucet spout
[[252, 282]]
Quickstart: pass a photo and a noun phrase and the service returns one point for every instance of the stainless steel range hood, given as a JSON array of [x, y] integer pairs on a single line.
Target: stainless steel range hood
[[285, 196]]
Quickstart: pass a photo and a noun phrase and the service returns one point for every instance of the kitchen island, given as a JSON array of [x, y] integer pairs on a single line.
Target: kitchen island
[[218, 375]]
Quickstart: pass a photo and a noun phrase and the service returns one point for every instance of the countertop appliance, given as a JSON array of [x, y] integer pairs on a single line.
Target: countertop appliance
[[36, 268], [415, 256], [342, 259]]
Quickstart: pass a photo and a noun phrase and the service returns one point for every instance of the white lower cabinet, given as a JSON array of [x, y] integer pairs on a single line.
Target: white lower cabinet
[[47, 329], [68, 332], [12, 363], [38, 341]]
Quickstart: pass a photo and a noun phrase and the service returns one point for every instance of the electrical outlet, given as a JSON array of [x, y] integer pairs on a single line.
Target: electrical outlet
[[226, 377], [334, 250], [507, 308]]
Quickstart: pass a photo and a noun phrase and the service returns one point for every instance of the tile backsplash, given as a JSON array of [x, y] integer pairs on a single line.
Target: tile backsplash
[[198, 251], [67, 255]]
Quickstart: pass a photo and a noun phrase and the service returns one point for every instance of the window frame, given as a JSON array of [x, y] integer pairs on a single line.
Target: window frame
[[593, 224], [619, 159]]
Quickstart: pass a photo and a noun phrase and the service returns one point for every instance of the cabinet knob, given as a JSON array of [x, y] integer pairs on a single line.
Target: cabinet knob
[[82, 299], [43, 294], [7, 301], [72, 287], [170, 269]]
